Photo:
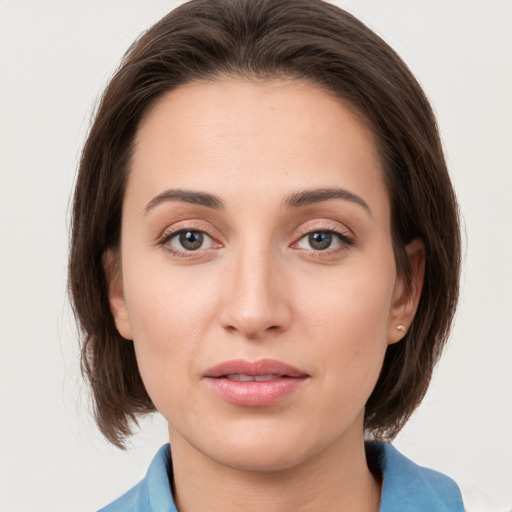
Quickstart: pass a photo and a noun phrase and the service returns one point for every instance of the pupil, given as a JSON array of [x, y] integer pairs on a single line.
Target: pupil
[[191, 240], [320, 240]]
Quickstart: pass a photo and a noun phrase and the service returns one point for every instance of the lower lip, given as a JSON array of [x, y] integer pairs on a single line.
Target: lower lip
[[254, 394]]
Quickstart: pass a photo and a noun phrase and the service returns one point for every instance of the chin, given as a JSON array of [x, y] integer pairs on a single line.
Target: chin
[[258, 457], [267, 448]]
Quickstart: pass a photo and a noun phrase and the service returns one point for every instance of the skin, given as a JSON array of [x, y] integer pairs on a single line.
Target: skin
[[257, 288]]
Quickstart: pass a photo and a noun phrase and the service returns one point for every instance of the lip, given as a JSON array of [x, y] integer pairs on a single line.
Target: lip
[[254, 393]]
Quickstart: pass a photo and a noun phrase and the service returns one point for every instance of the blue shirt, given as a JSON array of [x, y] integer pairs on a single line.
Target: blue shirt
[[406, 487]]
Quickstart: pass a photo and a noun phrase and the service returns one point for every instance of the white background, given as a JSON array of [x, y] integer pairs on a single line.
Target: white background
[[55, 58]]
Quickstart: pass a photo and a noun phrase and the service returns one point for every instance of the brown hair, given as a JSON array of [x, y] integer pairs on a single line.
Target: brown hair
[[267, 39]]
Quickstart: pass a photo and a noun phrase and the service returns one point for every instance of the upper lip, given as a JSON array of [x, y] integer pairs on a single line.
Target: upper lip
[[254, 368]]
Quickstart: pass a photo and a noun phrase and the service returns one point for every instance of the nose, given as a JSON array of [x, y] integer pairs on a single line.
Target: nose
[[256, 303]]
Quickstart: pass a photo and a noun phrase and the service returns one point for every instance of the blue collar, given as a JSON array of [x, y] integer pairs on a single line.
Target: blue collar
[[412, 488], [405, 486]]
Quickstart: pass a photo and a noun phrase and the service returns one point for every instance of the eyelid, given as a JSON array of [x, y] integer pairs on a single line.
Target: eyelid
[[175, 236], [190, 225], [325, 225], [346, 236], [186, 225]]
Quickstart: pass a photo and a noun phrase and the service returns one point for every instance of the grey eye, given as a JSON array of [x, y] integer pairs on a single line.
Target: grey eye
[[190, 240], [320, 240]]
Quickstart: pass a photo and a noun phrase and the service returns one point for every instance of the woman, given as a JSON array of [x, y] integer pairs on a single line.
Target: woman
[[266, 250]]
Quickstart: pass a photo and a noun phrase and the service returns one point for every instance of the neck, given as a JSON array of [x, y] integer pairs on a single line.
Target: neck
[[337, 479]]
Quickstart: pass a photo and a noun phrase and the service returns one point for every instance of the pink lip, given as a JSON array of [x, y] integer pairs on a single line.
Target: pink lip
[[254, 393]]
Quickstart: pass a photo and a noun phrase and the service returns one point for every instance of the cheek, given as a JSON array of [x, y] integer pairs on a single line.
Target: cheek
[[353, 305], [163, 298], [170, 312], [346, 320]]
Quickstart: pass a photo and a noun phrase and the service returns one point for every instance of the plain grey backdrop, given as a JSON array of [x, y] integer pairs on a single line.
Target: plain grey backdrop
[[55, 58]]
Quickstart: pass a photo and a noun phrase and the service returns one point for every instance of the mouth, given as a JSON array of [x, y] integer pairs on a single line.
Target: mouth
[[254, 383], [262, 368], [240, 377]]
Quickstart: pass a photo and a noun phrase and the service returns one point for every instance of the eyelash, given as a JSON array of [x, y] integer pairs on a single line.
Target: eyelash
[[166, 238], [345, 240]]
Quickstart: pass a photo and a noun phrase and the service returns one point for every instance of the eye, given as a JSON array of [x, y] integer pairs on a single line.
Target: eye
[[189, 240], [322, 240]]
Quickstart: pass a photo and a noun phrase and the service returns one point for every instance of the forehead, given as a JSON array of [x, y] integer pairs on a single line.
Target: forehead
[[271, 138]]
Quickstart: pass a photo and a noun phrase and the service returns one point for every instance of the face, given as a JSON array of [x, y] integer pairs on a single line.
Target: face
[[256, 274]]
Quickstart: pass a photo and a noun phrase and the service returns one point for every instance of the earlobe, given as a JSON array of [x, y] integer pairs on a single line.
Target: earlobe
[[111, 267], [407, 295]]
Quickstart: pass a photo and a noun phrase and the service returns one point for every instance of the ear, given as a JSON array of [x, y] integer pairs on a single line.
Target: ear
[[111, 267], [407, 296]]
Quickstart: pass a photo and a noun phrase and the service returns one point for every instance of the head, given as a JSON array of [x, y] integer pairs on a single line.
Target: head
[[295, 59]]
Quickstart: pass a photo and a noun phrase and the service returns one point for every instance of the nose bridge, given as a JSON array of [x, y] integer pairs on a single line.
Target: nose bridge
[[255, 303]]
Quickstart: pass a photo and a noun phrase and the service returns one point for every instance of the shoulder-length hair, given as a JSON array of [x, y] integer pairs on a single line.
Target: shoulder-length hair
[[268, 39]]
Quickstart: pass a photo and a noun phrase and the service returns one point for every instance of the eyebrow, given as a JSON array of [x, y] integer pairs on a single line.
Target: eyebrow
[[318, 195], [187, 196], [295, 200]]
